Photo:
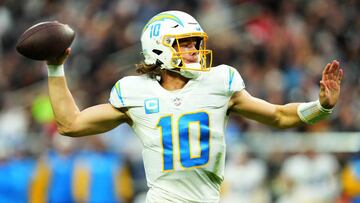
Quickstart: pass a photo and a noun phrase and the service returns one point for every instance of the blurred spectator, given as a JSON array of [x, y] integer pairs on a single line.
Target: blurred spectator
[[41, 109], [14, 123], [245, 178], [53, 178], [43, 115], [310, 177]]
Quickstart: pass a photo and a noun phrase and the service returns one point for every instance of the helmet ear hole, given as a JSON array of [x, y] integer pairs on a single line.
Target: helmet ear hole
[[157, 51], [159, 63]]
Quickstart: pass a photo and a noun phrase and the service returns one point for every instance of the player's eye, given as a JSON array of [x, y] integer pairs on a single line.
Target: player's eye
[[190, 45], [187, 44]]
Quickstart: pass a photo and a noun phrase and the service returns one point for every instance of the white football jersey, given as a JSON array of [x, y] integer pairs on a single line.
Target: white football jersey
[[182, 131]]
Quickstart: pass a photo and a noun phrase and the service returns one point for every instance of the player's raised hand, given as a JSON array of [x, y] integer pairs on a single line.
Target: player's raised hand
[[60, 59], [330, 84]]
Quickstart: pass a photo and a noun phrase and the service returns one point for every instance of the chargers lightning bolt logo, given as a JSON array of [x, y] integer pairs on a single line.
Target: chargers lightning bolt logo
[[161, 17]]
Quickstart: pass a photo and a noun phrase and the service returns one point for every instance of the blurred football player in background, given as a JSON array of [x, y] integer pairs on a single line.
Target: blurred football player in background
[[248, 178], [179, 107], [101, 175], [53, 175], [310, 177]]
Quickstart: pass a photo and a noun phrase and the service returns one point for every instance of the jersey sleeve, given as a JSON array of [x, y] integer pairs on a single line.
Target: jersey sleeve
[[116, 97], [123, 93], [234, 81]]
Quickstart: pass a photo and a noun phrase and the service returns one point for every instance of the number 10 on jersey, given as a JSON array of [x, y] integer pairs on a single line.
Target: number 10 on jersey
[[183, 123]]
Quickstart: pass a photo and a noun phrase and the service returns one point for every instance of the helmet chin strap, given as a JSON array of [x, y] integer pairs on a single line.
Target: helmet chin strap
[[191, 74]]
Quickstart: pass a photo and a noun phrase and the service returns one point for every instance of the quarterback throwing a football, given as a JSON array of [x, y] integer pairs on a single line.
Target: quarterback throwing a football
[[178, 107]]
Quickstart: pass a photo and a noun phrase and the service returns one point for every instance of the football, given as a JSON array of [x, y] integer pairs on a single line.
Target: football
[[46, 40]]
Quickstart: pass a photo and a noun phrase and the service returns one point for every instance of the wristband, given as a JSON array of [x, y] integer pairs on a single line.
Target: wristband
[[56, 70], [312, 112]]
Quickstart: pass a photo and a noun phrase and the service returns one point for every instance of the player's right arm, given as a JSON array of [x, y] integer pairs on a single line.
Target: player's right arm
[[70, 120]]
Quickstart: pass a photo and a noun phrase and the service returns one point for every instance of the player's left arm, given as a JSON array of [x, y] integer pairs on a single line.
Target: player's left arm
[[292, 114]]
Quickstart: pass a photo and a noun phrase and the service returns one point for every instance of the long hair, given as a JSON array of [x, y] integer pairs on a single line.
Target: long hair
[[151, 70]]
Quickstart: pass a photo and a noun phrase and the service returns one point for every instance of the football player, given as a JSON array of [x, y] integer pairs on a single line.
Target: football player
[[179, 105]]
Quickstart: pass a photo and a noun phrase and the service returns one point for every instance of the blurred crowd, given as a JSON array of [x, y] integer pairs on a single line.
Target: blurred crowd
[[280, 48]]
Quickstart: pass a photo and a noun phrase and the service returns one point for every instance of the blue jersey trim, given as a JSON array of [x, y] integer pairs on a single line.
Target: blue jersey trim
[[231, 77], [118, 91]]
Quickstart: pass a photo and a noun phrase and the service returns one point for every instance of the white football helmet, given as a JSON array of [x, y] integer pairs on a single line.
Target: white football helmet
[[163, 32]]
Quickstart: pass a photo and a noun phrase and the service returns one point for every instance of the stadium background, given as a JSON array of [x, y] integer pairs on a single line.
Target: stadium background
[[279, 48]]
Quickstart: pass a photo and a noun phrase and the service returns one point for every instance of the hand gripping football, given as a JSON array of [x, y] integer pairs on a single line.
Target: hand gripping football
[[45, 41]]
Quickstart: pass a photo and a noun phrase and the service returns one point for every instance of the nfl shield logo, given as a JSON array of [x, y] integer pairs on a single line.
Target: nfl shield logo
[[177, 101]]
